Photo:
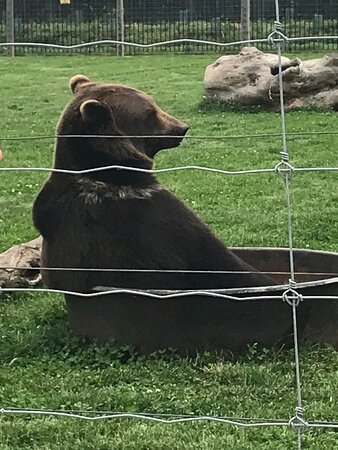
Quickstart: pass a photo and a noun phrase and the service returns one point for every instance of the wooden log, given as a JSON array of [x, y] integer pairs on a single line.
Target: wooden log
[[120, 26], [245, 20], [10, 26], [22, 255]]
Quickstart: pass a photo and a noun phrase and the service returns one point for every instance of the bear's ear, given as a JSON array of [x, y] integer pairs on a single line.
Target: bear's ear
[[94, 112], [76, 82]]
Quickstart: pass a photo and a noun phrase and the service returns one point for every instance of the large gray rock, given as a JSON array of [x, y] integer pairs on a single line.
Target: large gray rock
[[251, 78]]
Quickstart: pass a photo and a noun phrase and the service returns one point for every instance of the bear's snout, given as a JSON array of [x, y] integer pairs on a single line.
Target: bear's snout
[[182, 130]]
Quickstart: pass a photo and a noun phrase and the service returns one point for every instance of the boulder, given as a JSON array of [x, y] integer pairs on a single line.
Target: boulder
[[250, 78]]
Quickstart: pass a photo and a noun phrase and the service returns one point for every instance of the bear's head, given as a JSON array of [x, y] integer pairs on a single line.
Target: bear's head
[[112, 109], [129, 111]]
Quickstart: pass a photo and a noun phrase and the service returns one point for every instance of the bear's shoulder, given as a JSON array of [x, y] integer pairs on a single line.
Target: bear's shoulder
[[95, 191]]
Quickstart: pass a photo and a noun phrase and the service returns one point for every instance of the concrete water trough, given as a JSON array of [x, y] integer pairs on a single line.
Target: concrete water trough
[[200, 322]]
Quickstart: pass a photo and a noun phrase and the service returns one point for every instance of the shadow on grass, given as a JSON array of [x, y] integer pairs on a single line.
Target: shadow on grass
[[208, 105], [212, 106]]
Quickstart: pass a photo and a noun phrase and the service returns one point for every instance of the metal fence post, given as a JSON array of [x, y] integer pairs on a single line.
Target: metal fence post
[[120, 26], [245, 20], [10, 26]]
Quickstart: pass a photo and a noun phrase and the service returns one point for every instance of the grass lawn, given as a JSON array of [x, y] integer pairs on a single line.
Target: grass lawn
[[43, 366]]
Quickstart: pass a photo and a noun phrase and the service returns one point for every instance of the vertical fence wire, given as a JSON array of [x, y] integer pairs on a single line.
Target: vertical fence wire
[[292, 298]]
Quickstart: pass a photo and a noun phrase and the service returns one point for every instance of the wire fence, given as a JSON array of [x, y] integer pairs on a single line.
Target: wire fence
[[147, 21], [288, 293]]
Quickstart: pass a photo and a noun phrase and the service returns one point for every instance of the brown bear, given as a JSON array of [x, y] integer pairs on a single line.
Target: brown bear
[[119, 218], [123, 219]]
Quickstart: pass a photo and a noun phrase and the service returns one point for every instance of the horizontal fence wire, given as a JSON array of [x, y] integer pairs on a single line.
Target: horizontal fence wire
[[140, 294], [106, 42], [135, 169], [164, 418], [164, 296], [295, 134], [169, 169], [132, 44]]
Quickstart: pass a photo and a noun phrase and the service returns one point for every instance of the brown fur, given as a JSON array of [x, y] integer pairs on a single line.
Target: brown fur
[[118, 218]]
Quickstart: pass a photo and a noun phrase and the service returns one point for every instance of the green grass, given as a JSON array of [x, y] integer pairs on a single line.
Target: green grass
[[43, 365]]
